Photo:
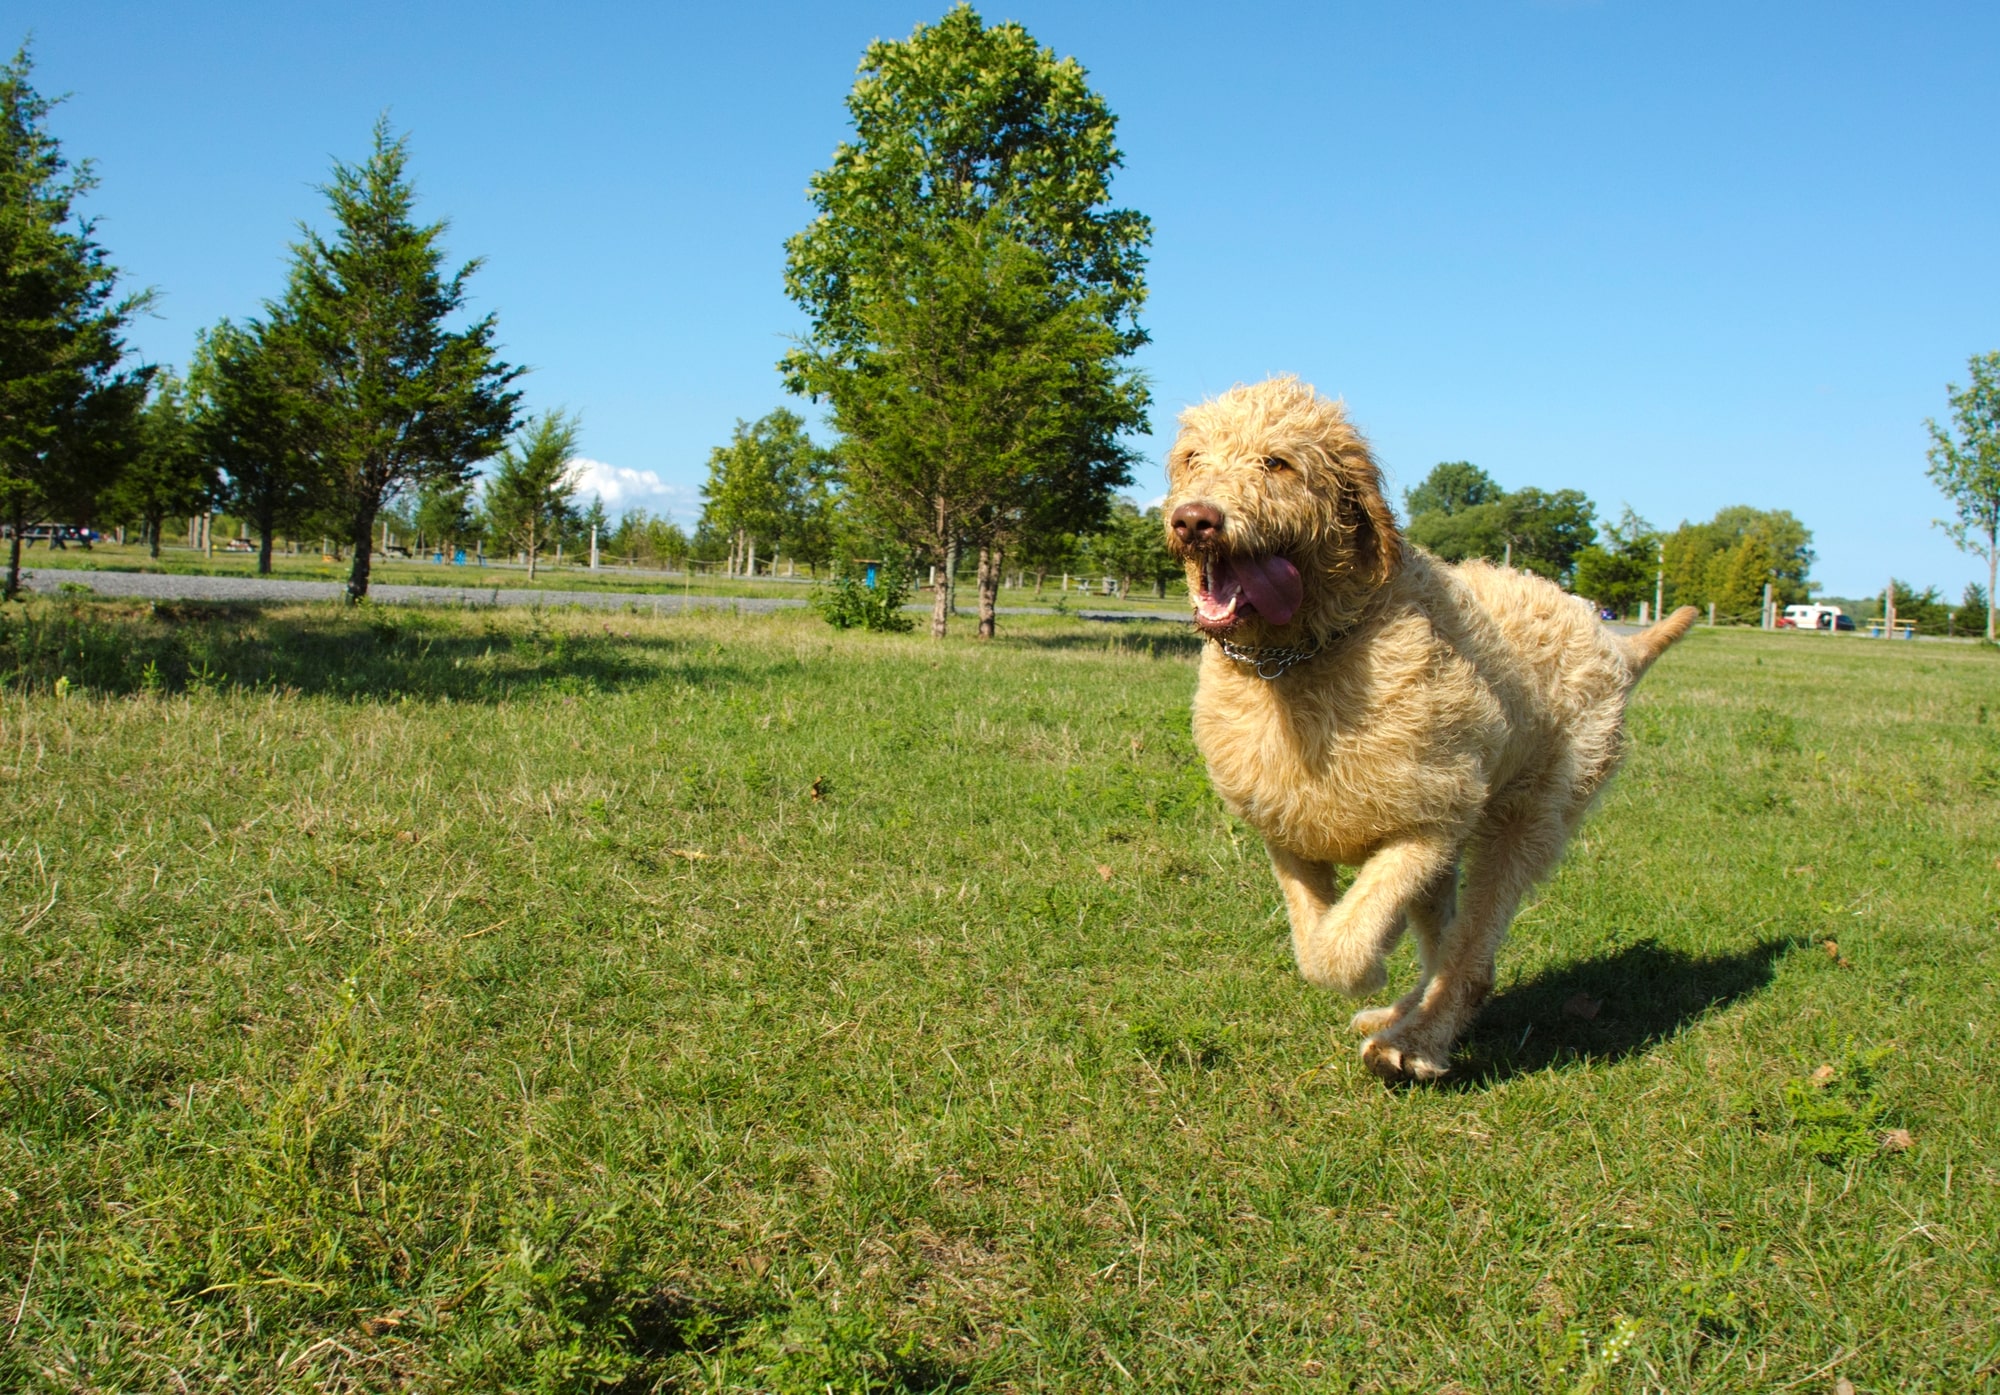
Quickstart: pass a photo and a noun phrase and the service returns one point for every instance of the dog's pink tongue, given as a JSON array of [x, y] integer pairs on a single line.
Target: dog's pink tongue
[[1271, 584]]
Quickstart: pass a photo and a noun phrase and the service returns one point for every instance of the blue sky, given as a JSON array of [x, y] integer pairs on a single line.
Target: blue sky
[[1678, 256]]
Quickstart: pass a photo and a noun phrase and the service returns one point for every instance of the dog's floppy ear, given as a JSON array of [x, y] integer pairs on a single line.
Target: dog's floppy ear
[[1379, 543]]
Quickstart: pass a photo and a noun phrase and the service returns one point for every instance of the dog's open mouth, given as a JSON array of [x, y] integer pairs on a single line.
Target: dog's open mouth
[[1233, 588]]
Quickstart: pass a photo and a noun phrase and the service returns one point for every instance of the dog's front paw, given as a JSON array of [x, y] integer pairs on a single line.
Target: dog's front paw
[[1394, 1061]]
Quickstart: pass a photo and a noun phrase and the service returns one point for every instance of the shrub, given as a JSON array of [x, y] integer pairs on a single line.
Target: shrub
[[846, 603]]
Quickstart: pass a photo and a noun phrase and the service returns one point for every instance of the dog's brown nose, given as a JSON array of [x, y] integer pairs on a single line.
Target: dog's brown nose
[[1196, 525]]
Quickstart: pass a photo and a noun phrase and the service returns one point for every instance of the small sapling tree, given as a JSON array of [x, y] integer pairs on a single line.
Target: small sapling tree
[[532, 490], [167, 476], [256, 428]]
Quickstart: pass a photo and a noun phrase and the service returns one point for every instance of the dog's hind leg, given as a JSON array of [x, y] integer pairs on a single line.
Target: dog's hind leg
[[1513, 851], [1341, 945], [1430, 917]]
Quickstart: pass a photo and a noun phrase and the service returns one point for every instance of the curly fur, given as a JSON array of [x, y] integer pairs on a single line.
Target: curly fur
[[1454, 717]]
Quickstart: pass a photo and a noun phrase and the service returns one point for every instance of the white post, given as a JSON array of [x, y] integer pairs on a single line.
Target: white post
[[1889, 610], [1644, 616], [593, 547], [1711, 615], [1660, 584], [1769, 622]]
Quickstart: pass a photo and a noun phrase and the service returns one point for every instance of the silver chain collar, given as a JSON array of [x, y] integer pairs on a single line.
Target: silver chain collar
[[1270, 661]]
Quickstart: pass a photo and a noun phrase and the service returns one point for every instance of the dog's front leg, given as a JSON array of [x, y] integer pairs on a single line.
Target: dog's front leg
[[1341, 945]]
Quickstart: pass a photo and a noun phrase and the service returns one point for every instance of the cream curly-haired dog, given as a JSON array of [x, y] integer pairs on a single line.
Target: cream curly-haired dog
[[1367, 705]]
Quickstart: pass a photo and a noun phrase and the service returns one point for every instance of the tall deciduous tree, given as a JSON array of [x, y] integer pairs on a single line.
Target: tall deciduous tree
[[1965, 466], [973, 199], [770, 486], [167, 476], [532, 490], [257, 428], [1450, 487], [68, 407], [401, 399], [1621, 570], [994, 399]]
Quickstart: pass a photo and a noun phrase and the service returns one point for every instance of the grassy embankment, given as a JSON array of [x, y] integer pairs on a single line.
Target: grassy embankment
[[504, 1001]]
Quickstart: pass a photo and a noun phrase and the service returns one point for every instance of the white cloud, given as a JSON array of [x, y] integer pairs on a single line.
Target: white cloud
[[623, 489]]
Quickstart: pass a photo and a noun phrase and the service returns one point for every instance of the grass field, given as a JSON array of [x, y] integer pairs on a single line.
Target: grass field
[[541, 1001], [130, 557]]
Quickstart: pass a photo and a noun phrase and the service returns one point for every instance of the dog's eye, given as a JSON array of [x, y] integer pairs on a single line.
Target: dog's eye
[[1276, 462]]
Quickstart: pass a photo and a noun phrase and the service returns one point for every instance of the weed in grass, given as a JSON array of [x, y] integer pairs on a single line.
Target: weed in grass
[[1191, 1045], [1713, 1301], [1837, 1112], [811, 1347], [1769, 731]]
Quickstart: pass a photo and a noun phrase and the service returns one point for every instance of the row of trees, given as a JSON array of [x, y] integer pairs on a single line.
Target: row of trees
[[1459, 511], [1927, 609], [351, 390]]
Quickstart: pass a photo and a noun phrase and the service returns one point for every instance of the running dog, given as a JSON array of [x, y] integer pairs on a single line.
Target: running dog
[[1364, 704]]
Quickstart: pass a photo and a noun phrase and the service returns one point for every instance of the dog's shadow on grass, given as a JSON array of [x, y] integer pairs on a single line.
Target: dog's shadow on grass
[[1606, 1008]]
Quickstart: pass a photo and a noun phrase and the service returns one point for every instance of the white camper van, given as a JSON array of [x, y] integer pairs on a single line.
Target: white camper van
[[1814, 617]]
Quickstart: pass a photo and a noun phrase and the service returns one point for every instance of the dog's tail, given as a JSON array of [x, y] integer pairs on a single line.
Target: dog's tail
[[1647, 645]]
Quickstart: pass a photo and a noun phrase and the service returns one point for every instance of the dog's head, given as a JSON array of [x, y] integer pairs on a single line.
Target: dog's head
[[1276, 507]]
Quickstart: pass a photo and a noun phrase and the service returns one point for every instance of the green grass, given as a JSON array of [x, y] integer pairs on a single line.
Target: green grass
[[553, 1001]]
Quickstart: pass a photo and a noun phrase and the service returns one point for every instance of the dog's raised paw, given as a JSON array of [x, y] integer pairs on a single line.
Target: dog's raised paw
[[1396, 1063], [1347, 979], [1369, 1021]]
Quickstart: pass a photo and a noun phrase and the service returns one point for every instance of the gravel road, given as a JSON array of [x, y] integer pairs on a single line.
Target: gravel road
[[162, 586]]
